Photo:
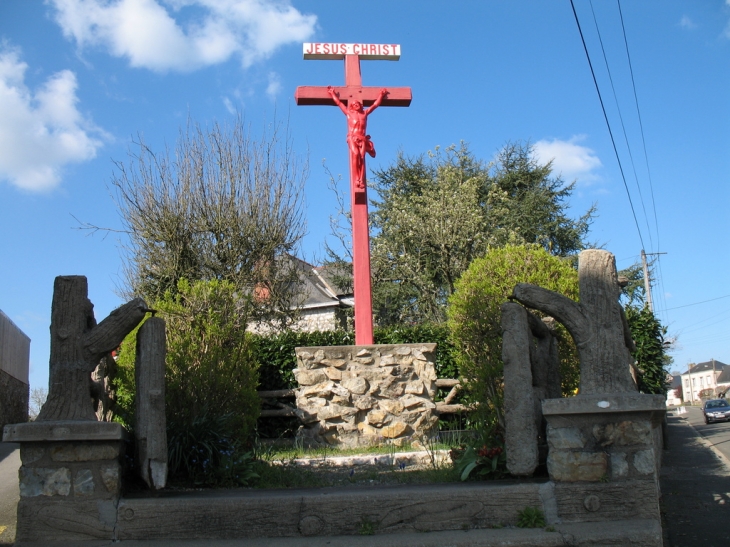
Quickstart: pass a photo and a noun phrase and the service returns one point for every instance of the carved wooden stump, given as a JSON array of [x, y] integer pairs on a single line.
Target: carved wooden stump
[[597, 324], [77, 345]]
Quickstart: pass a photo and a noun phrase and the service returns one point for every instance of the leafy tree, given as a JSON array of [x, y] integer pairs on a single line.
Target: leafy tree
[[430, 227], [223, 206], [474, 319], [526, 204], [648, 334], [436, 213]]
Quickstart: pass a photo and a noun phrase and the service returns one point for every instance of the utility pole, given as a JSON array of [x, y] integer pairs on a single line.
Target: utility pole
[[647, 278]]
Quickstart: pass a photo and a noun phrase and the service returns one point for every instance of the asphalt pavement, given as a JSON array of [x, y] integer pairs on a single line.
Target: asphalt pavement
[[695, 485], [9, 492], [695, 481]]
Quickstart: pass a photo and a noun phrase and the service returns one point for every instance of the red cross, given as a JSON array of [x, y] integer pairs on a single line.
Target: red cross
[[351, 91]]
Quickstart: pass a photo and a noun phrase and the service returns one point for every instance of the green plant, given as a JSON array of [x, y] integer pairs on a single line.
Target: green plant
[[480, 460], [550, 528], [530, 517], [367, 527], [648, 334], [210, 376], [202, 452], [210, 365]]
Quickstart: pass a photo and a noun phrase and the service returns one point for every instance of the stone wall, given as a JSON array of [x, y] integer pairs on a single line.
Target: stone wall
[[612, 437], [361, 395], [310, 320], [70, 479]]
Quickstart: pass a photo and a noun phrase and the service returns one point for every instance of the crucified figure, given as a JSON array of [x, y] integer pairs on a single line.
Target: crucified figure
[[358, 142]]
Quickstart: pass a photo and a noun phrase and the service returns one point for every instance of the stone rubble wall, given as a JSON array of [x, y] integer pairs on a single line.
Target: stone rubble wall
[[71, 470], [326, 319], [364, 395], [621, 442]]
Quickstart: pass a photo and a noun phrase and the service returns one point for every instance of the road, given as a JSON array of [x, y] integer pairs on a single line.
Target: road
[[717, 434], [9, 493]]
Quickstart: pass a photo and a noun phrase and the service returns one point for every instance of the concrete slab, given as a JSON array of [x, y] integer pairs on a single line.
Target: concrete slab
[[64, 431], [632, 533]]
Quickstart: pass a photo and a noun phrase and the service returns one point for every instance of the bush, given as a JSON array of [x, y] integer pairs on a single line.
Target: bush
[[210, 362], [474, 319], [211, 381], [648, 335]]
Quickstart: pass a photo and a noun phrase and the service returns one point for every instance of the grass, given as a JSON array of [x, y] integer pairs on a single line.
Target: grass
[[276, 467], [280, 453]]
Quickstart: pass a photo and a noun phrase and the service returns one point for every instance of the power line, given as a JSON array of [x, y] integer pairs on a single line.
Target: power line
[[641, 125], [608, 125], [621, 119], [698, 303]]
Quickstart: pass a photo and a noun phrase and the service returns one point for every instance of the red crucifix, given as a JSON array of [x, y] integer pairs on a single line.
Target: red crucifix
[[351, 98]]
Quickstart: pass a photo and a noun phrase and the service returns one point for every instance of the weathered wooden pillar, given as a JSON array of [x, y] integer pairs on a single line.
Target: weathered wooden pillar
[[531, 375], [77, 345], [597, 324], [150, 427]]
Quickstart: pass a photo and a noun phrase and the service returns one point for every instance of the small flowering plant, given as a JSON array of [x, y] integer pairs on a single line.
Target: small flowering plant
[[486, 460]]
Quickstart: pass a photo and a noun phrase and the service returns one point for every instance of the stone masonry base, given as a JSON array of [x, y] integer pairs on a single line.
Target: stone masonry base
[[70, 479]]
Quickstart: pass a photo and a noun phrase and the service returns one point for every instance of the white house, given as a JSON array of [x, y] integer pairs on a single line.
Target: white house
[[702, 380], [319, 303]]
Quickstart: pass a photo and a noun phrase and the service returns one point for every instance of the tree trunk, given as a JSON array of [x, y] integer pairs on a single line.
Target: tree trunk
[[597, 324], [77, 345]]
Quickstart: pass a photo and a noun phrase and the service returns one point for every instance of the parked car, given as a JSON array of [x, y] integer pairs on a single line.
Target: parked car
[[716, 410]]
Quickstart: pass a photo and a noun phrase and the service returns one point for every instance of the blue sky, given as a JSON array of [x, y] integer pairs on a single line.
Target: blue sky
[[80, 78]]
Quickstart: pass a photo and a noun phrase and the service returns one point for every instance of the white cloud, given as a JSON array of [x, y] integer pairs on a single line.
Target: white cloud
[[274, 87], [40, 131], [229, 105], [184, 35], [570, 159], [686, 23]]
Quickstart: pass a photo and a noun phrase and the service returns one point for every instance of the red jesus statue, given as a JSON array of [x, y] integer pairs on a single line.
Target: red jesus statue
[[358, 142]]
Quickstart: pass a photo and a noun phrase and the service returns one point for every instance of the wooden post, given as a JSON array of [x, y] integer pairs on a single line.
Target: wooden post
[[150, 424]]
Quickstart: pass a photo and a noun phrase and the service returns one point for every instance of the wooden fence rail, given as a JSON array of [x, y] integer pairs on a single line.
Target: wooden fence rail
[[283, 410]]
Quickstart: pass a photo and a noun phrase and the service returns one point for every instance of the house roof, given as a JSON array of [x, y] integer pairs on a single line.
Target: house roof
[[724, 377], [707, 366], [317, 289]]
